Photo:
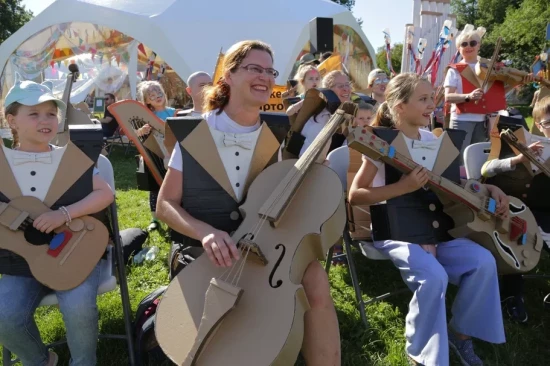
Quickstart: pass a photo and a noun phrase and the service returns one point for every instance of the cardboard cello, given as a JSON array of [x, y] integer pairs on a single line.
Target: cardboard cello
[[252, 314]]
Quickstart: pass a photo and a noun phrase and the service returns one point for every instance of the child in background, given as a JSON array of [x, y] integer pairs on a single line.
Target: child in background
[[153, 96], [365, 113]]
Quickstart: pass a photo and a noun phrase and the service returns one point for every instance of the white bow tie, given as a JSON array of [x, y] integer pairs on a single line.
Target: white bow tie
[[231, 139], [20, 157], [431, 145]]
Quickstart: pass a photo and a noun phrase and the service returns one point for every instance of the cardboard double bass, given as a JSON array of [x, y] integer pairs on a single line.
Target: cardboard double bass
[[253, 312]]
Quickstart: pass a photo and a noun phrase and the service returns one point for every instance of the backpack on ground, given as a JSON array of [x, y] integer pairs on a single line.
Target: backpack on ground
[[147, 348]]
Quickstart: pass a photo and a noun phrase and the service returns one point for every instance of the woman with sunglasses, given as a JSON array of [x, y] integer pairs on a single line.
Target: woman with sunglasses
[[470, 105]]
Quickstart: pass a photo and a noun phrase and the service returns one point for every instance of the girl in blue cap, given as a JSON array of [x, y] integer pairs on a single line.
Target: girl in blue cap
[[31, 111]]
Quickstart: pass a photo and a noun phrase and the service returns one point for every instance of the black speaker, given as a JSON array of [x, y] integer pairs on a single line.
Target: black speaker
[[321, 35]]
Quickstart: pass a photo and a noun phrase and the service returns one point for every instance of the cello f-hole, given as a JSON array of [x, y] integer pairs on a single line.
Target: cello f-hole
[[279, 282]]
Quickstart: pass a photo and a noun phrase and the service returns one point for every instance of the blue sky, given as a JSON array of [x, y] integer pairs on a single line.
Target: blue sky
[[376, 15]]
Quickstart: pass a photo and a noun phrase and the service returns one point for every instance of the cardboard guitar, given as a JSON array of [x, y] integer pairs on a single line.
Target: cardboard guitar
[[60, 260], [515, 242]]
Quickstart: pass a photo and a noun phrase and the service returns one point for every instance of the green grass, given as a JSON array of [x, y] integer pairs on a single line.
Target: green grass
[[382, 344]]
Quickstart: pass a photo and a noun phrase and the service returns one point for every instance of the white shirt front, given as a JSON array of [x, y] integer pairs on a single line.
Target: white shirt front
[[34, 178], [236, 159], [417, 155], [453, 79]]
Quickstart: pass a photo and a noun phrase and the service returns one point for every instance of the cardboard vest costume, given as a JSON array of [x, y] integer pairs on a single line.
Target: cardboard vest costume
[[73, 181], [531, 188], [492, 101], [207, 192], [417, 217]]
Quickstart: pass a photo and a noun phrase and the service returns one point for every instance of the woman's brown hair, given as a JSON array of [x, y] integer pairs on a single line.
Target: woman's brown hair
[[13, 109], [217, 96]]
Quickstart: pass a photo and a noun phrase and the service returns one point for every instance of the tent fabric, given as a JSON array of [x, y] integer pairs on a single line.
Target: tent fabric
[[188, 34]]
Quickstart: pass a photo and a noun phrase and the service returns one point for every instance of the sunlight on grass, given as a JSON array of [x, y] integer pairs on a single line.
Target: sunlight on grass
[[383, 344]]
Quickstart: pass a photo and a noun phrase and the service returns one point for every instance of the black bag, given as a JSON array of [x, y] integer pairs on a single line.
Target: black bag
[[181, 257], [147, 349]]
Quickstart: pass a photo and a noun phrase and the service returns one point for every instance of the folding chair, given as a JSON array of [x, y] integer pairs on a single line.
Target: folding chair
[[116, 139], [475, 156], [339, 160], [108, 280]]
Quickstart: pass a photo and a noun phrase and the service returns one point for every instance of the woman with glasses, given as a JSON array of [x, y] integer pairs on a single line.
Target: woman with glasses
[[470, 105], [204, 211]]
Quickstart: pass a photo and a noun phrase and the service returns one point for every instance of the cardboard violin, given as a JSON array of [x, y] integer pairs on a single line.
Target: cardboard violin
[[507, 75]]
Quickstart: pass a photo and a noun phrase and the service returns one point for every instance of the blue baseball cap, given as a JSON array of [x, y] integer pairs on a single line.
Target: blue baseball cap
[[30, 93]]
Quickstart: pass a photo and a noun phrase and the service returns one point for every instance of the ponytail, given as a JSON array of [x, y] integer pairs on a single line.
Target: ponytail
[[13, 109], [383, 117], [216, 97]]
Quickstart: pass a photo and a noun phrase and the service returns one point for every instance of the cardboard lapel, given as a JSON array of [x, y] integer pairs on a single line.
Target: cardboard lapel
[[201, 146], [73, 165], [400, 144], [8, 184], [266, 147], [446, 155], [471, 77]]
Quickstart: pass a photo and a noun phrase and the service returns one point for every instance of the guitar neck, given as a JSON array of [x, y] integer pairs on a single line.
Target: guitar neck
[[371, 145], [526, 151]]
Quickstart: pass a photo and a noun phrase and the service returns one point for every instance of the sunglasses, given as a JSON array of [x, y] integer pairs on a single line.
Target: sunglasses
[[471, 43], [381, 81]]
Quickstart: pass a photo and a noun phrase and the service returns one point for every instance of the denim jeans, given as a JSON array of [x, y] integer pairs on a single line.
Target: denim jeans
[[19, 298]]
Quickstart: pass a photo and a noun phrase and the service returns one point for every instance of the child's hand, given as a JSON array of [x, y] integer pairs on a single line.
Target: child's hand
[[49, 221], [415, 179], [144, 130], [536, 148]]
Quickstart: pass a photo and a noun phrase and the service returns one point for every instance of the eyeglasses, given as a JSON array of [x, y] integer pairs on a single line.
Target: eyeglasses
[[342, 85], [471, 43], [545, 123], [258, 70]]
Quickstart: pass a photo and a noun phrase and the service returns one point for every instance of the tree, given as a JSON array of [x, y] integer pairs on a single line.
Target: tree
[[493, 12], [523, 32], [347, 3], [466, 12], [13, 16], [396, 53]]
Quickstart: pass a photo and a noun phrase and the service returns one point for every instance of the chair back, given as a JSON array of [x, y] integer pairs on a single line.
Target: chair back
[[475, 156], [339, 162], [106, 171]]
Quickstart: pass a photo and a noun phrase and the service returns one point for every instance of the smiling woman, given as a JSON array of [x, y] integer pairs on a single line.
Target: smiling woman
[[202, 204]]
